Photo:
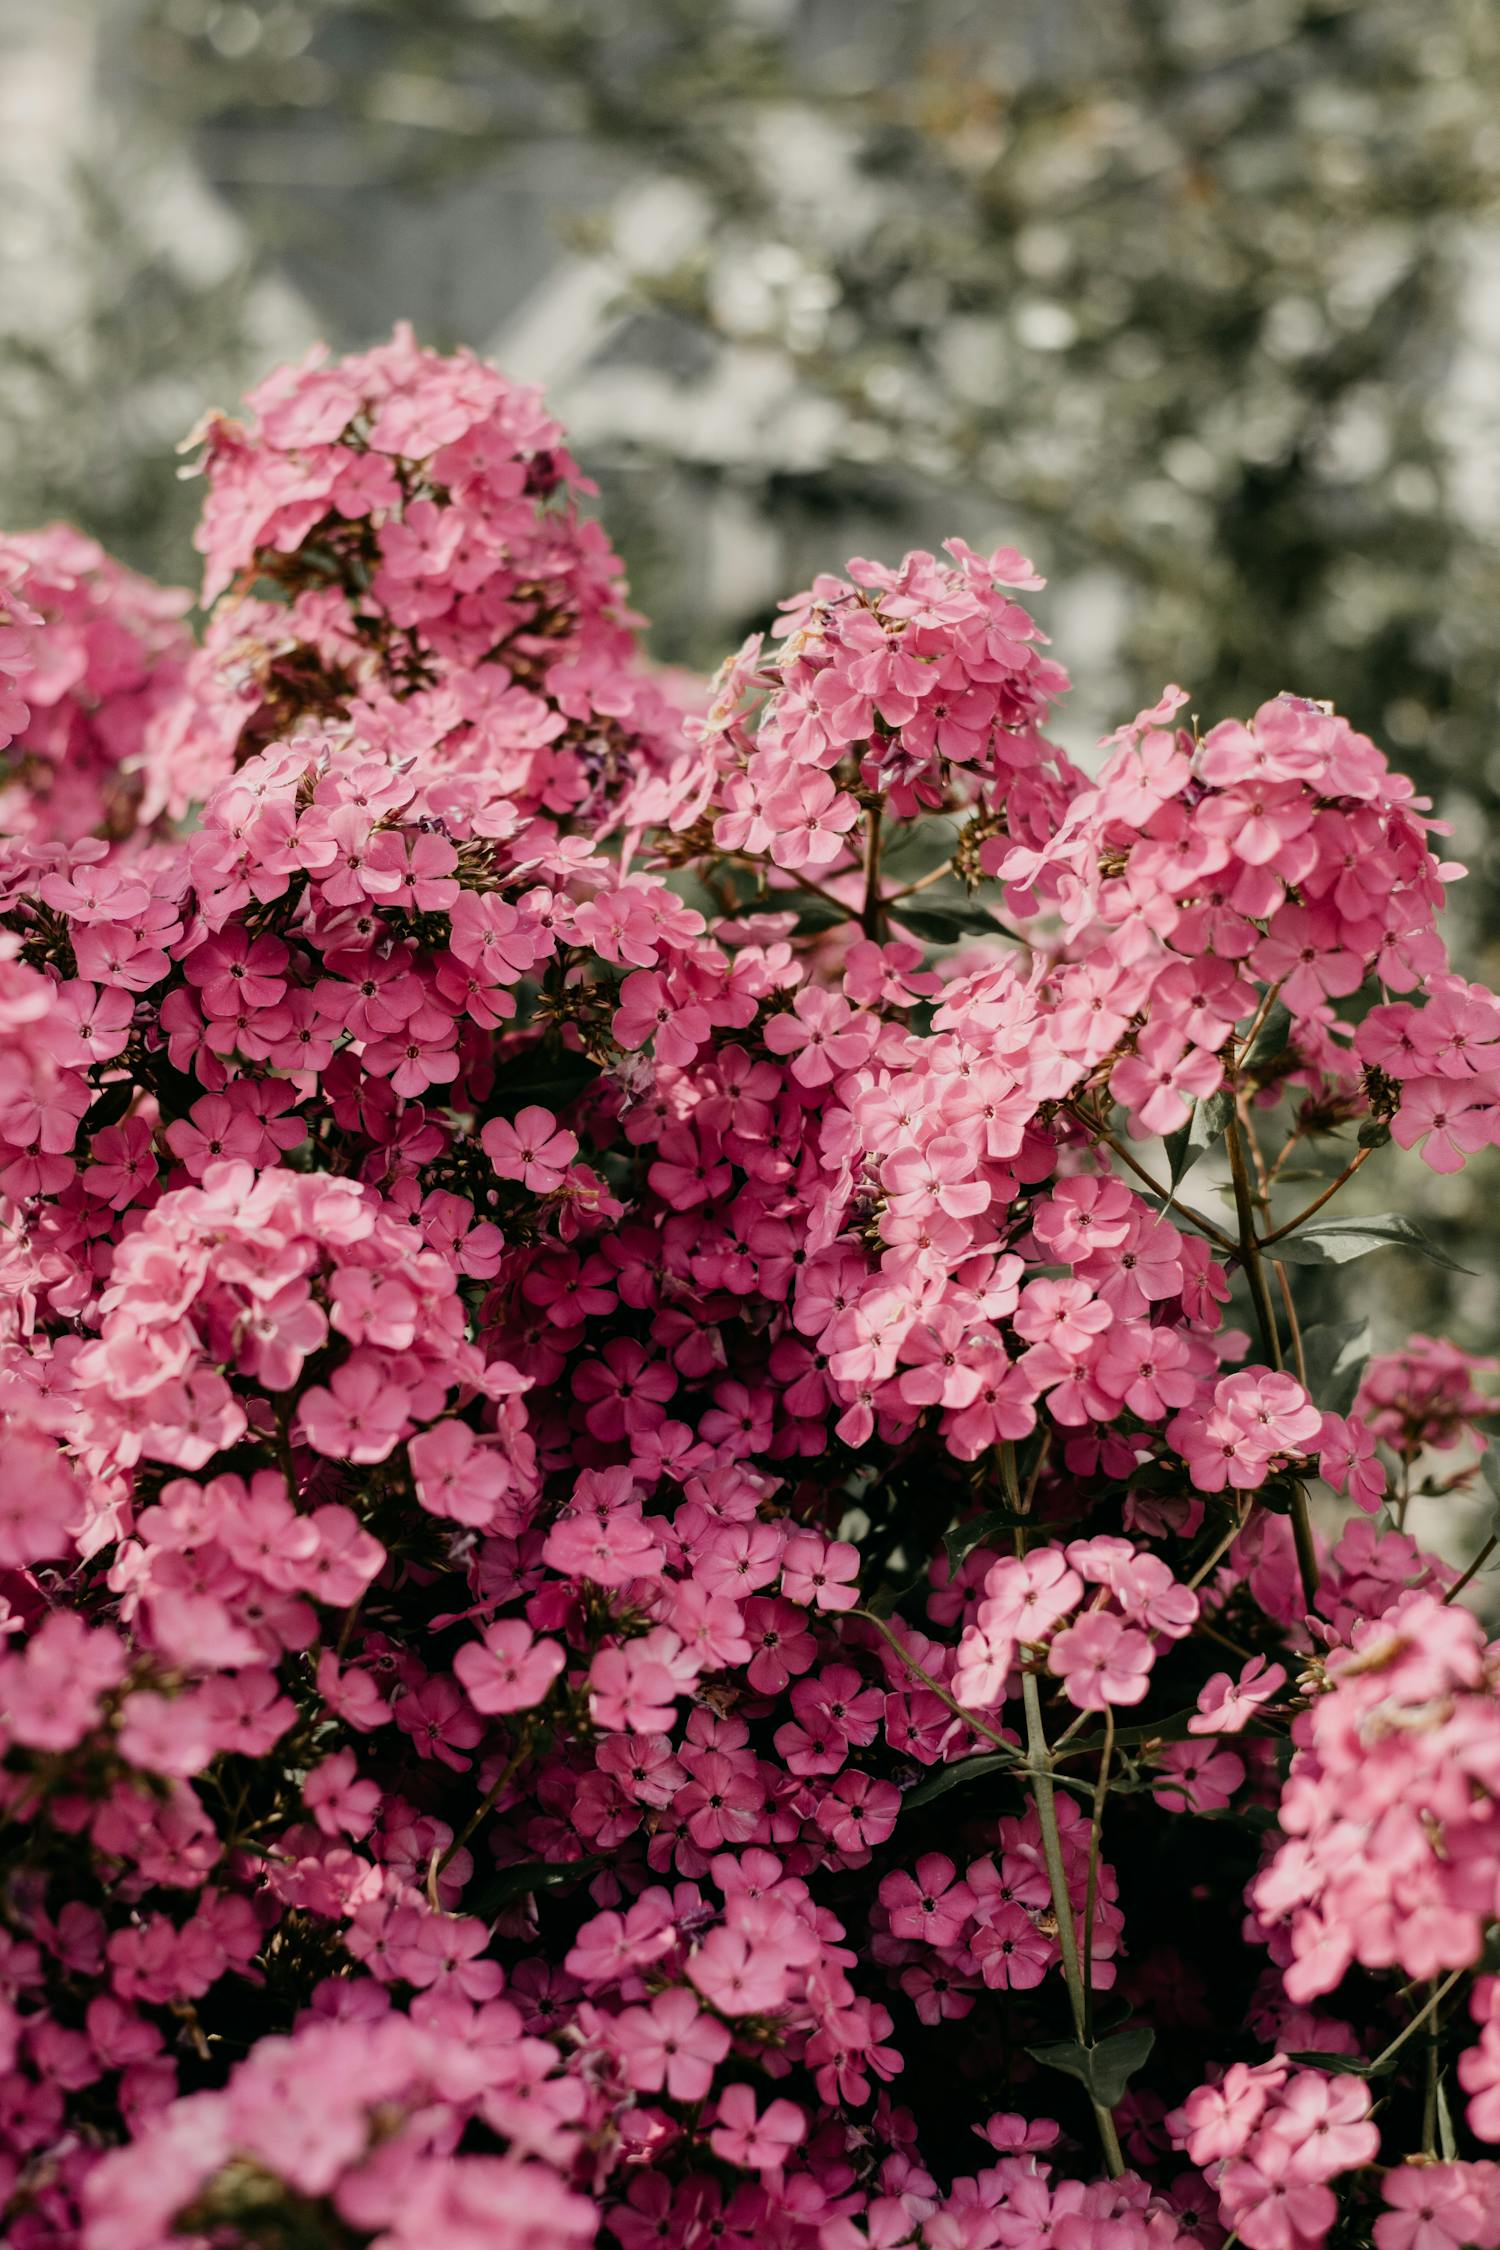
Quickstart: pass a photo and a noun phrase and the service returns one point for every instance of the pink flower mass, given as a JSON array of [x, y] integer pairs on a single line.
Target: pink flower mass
[[660, 1581]]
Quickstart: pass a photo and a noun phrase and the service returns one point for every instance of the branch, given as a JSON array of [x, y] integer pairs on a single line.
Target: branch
[[1194, 1218], [1318, 1201]]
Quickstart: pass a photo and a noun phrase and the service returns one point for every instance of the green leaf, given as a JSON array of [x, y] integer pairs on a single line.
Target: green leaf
[[1106, 2069], [1271, 1041], [946, 924], [1333, 1242], [1336, 1353], [953, 1776], [1206, 1122], [978, 1532], [108, 1107], [1489, 1470], [551, 1077], [1374, 1133], [1342, 2066], [813, 914], [1173, 1728], [509, 1885]]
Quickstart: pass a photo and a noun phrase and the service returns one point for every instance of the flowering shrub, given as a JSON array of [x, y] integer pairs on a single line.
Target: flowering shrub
[[647, 1585]]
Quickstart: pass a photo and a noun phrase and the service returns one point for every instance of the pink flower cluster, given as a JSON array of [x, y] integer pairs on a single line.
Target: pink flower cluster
[[1425, 1395], [1387, 1861], [93, 658], [1279, 860], [623, 1492], [901, 683]]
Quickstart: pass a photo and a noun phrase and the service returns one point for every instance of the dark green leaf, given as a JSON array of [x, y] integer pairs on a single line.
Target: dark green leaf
[[946, 924], [891, 1593], [1205, 1124], [549, 1077], [1374, 1133], [108, 1107], [979, 1531], [1345, 2066], [1333, 1242], [509, 1885], [813, 914], [1106, 2069], [1335, 1353], [1271, 1040], [953, 1776], [1173, 1728]]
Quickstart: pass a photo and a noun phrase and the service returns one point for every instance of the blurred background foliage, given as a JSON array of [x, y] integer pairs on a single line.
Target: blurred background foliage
[[1198, 302]]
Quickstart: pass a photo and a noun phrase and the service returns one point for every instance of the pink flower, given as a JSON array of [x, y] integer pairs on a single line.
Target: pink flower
[[1196, 1779], [633, 1689], [1162, 1079], [506, 1669], [1218, 2120], [930, 1906], [648, 1010], [358, 1417], [672, 2046], [455, 1475], [1101, 1661], [1446, 1121], [822, 1034], [1346, 1460], [533, 1150], [1226, 1705], [1318, 2127], [1440, 2207], [736, 1977], [610, 1550], [757, 2143], [809, 819], [1012, 1953], [820, 1573]]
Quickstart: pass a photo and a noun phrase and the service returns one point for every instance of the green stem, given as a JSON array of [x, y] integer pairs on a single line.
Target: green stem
[[1265, 1314], [1248, 1247], [1438, 1994], [1318, 1201], [1474, 1568], [486, 1805], [1096, 1834], [870, 912], [1166, 1196], [923, 883], [1044, 1799], [970, 1718]]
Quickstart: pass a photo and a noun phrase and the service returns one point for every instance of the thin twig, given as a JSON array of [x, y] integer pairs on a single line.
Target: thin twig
[[487, 1805], [1438, 1994], [1293, 1325], [1279, 1234], [970, 1718], [1194, 1218], [1474, 1568], [923, 883]]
